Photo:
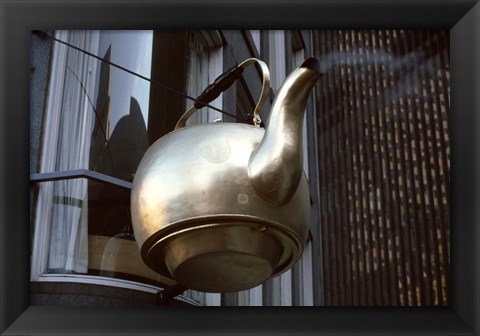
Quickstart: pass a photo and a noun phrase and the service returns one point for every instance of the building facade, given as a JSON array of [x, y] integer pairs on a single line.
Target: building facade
[[376, 155], [384, 161]]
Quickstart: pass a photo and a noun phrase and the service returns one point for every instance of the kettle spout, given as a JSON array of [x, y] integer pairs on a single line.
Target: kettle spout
[[276, 165]]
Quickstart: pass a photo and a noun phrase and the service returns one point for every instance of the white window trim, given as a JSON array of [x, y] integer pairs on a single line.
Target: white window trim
[[256, 296], [111, 282]]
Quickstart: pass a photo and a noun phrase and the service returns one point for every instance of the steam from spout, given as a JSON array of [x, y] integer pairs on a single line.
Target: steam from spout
[[403, 73], [377, 56]]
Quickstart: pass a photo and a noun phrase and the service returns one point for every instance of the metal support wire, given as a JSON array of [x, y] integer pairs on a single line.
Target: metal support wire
[[44, 35]]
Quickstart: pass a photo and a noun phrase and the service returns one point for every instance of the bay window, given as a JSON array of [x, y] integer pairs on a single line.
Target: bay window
[[99, 120]]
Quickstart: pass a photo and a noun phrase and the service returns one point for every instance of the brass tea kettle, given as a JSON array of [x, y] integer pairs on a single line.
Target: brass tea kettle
[[222, 207]]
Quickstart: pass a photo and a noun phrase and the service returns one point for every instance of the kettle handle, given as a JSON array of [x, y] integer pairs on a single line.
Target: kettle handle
[[222, 83]]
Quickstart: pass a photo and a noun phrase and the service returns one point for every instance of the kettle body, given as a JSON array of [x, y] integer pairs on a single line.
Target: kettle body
[[203, 223], [222, 207]]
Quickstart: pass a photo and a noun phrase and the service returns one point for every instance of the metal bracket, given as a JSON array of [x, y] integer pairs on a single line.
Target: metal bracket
[[169, 293], [79, 173]]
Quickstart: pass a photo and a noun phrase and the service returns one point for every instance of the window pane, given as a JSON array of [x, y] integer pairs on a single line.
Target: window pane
[[102, 110], [119, 135]]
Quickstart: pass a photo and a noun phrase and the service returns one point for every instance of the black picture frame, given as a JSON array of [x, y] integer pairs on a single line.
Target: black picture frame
[[18, 18]]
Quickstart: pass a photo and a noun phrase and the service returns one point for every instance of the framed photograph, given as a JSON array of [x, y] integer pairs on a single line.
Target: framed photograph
[[17, 314]]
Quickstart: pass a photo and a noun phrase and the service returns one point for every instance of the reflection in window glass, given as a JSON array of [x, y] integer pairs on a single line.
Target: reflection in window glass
[[119, 136]]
